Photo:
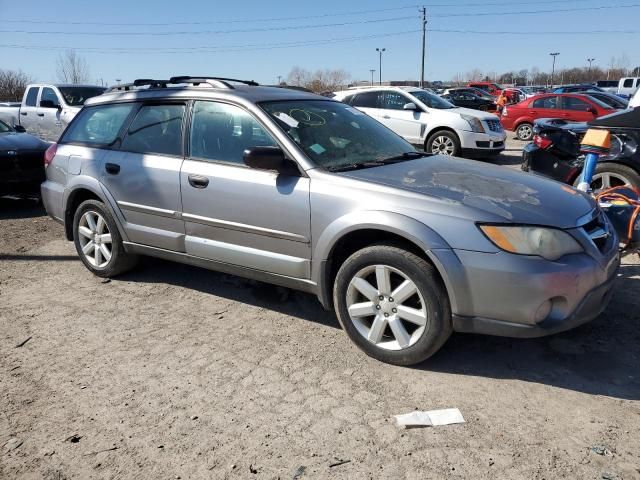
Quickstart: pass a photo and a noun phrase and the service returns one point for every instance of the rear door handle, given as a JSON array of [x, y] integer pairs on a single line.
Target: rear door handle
[[386, 116], [23, 113], [112, 168], [40, 114], [197, 181]]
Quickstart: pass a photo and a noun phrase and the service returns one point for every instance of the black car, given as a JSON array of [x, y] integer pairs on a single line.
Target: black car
[[21, 161], [555, 150], [469, 100]]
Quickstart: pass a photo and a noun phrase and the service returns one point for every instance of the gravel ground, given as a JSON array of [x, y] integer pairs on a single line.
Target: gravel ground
[[172, 371]]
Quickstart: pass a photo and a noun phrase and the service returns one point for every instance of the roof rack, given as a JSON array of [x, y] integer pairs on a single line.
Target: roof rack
[[215, 82]]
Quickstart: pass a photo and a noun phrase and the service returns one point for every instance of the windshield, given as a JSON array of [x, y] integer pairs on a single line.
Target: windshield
[[76, 96], [431, 100], [4, 128], [335, 135]]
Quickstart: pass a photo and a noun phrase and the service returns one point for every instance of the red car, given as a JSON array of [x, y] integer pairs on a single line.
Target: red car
[[489, 87], [567, 106]]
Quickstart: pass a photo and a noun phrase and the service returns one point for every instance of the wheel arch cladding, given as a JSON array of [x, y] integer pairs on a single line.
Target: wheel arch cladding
[[357, 230]]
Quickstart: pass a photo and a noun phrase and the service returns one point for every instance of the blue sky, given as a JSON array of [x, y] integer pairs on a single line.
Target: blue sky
[[258, 55]]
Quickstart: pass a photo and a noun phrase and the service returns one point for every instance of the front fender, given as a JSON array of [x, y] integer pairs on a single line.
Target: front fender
[[434, 246]]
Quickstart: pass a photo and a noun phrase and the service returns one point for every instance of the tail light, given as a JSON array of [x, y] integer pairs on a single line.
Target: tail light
[[49, 154], [542, 142]]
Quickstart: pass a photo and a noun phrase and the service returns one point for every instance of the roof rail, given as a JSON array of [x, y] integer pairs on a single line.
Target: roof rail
[[140, 82], [213, 81]]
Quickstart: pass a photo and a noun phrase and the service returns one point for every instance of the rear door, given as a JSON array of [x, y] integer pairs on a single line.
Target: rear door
[[29, 111], [49, 123], [143, 176], [545, 107], [237, 215], [577, 109], [369, 103]]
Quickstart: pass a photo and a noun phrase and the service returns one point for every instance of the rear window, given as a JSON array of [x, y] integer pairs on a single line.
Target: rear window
[[76, 96], [97, 126]]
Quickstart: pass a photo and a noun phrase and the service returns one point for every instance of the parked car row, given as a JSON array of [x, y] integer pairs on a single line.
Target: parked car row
[[406, 247]]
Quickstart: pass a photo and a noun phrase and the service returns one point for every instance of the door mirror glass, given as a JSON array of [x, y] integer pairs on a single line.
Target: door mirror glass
[[268, 158], [410, 106]]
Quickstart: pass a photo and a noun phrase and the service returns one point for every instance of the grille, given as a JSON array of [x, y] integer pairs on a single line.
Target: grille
[[598, 231], [494, 125]]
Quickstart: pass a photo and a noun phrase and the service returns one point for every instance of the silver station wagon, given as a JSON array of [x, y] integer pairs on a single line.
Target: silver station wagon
[[298, 190]]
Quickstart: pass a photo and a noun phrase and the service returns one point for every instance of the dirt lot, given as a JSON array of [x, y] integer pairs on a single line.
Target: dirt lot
[[176, 372]]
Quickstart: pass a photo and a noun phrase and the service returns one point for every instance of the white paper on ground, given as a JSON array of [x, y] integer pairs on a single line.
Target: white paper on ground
[[434, 418]]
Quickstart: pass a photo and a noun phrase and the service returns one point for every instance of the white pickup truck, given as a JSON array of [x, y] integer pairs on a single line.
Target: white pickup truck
[[46, 109]]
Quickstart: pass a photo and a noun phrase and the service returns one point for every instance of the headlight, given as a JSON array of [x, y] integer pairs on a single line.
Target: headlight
[[548, 243], [474, 123]]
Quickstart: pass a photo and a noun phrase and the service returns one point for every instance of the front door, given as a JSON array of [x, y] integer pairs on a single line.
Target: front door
[[237, 215], [50, 125], [143, 176], [406, 123], [577, 110]]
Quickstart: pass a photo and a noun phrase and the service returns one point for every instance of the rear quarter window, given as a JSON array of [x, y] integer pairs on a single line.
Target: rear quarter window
[[98, 126]]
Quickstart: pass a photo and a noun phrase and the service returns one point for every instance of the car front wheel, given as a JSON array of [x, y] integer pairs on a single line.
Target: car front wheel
[[98, 240], [524, 131], [443, 143], [392, 304]]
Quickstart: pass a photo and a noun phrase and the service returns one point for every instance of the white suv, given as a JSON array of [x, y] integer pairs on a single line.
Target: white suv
[[428, 121]]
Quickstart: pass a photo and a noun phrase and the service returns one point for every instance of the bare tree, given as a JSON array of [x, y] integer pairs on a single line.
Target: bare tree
[[320, 80], [72, 68], [13, 84]]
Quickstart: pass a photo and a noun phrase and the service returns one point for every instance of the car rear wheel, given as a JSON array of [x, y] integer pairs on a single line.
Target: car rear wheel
[[392, 305], [98, 241], [610, 175], [524, 131], [443, 143]]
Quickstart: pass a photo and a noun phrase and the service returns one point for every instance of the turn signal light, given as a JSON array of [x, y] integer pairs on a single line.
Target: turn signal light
[[49, 154]]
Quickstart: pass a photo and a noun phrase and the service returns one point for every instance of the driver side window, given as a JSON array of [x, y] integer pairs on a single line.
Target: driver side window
[[49, 94]]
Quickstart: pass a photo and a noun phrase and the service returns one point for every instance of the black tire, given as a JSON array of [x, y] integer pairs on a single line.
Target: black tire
[[524, 131], [424, 276], [618, 171], [429, 146], [120, 260]]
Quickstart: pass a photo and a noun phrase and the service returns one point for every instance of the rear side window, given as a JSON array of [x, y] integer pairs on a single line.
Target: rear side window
[[546, 102], [156, 129], [32, 97], [223, 132], [367, 100], [628, 83], [97, 126]]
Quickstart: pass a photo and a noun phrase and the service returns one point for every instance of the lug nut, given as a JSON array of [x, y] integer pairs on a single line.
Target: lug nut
[[380, 297], [391, 299], [394, 310], [378, 307], [386, 314]]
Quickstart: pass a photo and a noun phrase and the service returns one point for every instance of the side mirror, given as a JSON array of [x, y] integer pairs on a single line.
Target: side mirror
[[410, 106], [49, 104], [19, 128], [269, 158], [593, 110]]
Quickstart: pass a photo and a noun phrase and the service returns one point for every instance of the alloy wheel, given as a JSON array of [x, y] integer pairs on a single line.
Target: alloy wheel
[[443, 145], [386, 307], [605, 180], [95, 239], [525, 132]]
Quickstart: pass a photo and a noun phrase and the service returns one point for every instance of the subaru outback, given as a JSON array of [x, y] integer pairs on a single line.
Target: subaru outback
[[295, 189]]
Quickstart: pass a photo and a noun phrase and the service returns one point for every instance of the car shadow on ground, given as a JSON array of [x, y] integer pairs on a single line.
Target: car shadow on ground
[[12, 208], [600, 358]]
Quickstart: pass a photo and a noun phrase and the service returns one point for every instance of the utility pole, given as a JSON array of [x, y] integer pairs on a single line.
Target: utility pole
[[380, 50], [279, 78], [424, 37], [590, 60], [553, 68], [372, 70]]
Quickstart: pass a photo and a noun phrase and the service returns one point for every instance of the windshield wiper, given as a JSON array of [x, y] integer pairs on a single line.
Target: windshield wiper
[[403, 157], [354, 166]]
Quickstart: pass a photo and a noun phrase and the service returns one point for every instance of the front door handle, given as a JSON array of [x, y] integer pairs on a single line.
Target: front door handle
[[198, 181], [386, 116], [23, 113], [40, 114], [112, 168]]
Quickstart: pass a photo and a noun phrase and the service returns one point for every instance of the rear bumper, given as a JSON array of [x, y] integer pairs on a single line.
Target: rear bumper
[[543, 162], [52, 194]]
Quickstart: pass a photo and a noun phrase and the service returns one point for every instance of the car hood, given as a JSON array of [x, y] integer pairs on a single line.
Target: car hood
[[472, 113], [501, 193], [21, 141]]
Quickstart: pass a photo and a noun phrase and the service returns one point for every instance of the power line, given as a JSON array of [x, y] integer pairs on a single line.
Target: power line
[[533, 12], [301, 17], [274, 46]]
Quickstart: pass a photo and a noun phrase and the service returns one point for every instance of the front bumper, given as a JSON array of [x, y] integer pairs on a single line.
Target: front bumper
[[482, 143], [506, 291]]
